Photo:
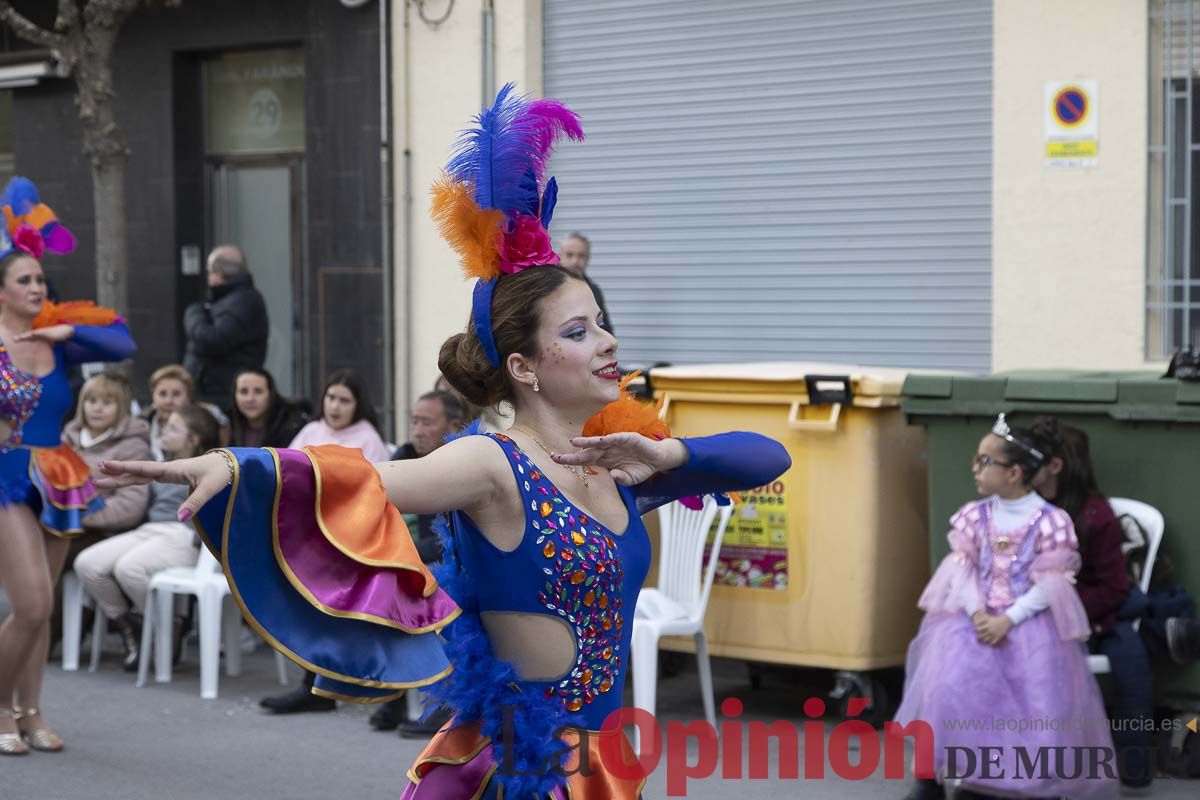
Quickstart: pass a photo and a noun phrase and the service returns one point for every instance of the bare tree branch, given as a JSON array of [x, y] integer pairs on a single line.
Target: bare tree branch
[[22, 27], [68, 15], [108, 13]]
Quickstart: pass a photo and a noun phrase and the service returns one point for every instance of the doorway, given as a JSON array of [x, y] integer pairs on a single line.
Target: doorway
[[255, 203], [254, 174]]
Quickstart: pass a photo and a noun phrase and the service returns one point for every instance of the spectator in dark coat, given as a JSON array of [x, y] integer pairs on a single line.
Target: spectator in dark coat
[[1111, 600], [228, 332]]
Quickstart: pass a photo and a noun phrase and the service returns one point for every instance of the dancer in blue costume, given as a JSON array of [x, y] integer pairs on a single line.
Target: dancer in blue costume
[[45, 490], [547, 550]]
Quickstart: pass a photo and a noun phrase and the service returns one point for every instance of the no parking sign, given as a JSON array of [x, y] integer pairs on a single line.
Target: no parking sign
[[1072, 124]]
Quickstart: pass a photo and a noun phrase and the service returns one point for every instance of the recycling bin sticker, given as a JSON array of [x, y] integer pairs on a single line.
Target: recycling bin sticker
[[754, 551]]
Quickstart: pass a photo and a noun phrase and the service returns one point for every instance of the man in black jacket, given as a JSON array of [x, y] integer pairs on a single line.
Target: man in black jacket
[[227, 332]]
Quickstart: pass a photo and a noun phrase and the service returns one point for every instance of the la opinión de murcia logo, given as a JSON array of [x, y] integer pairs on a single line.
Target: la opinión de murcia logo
[[852, 751]]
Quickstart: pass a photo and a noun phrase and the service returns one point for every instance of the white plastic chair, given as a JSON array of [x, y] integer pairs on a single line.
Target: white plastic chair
[[74, 599], [208, 584], [676, 607], [1151, 521]]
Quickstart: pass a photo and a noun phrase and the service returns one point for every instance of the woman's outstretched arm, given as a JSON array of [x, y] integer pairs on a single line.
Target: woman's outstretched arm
[[463, 474]]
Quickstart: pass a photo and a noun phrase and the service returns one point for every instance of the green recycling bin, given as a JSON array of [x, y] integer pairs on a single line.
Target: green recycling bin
[[1145, 438]]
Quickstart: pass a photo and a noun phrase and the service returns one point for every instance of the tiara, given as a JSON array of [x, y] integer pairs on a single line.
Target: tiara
[[1002, 430]]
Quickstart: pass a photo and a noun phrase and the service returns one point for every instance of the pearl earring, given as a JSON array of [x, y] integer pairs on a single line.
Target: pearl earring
[[536, 386]]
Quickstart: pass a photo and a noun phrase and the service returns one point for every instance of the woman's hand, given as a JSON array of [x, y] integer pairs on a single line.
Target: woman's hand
[[207, 475], [53, 334], [629, 457]]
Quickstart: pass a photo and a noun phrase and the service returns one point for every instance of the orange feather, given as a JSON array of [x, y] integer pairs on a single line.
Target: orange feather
[[74, 312], [472, 231], [628, 414]]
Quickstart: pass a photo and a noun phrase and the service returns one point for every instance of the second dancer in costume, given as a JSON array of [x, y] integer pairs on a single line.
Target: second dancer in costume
[[526, 631], [45, 490]]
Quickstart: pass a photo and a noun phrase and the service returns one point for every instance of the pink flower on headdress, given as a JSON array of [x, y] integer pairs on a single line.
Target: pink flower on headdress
[[29, 240], [524, 243]]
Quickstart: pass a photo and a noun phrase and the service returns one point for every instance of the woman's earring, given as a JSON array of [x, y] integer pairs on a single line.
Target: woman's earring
[[536, 386]]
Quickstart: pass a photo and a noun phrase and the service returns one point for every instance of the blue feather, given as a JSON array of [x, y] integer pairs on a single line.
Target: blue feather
[[494, 156], [21, 195], [528, 193], [549, 200]]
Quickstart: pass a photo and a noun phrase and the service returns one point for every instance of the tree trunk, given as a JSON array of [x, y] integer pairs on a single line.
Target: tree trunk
[[104, 143], [83, 39], [108, 193]]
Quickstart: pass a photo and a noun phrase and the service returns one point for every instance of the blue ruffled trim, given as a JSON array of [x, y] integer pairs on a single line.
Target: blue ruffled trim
[[486, 689], [59, 521], [18, 489]]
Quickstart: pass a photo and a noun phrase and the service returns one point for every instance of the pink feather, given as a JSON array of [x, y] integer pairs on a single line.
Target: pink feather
[[550, 120]]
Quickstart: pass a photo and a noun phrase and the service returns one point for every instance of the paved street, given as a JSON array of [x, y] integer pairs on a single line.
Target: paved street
[[164, 742]]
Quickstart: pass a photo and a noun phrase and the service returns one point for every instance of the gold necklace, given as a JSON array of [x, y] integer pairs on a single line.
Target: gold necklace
[[580, 472]]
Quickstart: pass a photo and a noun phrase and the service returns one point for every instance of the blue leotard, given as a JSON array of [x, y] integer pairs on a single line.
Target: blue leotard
[[34, 406]]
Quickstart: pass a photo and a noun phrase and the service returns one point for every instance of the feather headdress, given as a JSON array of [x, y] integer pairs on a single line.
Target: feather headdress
[[494, 204], [30, 225]]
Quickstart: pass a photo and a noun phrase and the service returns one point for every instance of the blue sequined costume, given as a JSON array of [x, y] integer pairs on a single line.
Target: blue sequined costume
[[34, 407], [321, 568]]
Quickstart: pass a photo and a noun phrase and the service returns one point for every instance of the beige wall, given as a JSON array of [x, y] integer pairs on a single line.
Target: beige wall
[[1069, 254], [1068, 245], [437, 88]]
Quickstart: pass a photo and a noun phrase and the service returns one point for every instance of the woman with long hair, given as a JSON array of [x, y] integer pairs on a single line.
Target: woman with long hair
[[347, 418], [261, 416], [1068, 480]]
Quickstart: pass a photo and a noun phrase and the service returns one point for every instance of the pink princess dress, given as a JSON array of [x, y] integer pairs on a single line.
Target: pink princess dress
[[1032, 691]]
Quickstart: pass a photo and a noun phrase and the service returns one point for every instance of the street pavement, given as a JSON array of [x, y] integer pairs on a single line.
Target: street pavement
[[163, 742]]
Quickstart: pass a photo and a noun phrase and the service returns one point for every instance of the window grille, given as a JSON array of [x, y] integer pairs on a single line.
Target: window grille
[[1172, 262]]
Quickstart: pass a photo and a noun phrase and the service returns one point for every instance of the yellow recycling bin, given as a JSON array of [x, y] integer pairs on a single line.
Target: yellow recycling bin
[[824, 566]]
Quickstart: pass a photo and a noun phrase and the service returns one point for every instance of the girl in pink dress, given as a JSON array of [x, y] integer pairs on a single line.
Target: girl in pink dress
[[998, 668]]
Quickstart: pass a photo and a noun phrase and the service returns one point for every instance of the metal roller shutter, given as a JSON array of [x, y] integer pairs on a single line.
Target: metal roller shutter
[[782, 179]]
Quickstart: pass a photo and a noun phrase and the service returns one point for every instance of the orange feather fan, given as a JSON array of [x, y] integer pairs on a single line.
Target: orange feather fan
[[74, 312], [628, 414], [472, 231]]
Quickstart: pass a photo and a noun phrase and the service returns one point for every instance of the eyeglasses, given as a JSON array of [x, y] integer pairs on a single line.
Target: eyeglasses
[[983, 461]]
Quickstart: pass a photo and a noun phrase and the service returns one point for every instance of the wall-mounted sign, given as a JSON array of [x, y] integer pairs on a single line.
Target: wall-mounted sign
[[189, 259], [1072, 124], [254, 101]]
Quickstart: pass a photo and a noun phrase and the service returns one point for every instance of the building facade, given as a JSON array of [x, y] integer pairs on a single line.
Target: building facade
[[256, 123], [854, 182], [859, 182]]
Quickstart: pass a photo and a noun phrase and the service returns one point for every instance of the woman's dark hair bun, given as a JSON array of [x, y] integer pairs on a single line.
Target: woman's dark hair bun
[[468, 370]]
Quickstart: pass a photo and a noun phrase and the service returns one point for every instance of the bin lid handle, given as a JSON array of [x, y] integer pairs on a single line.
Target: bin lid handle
[[824, 390]]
